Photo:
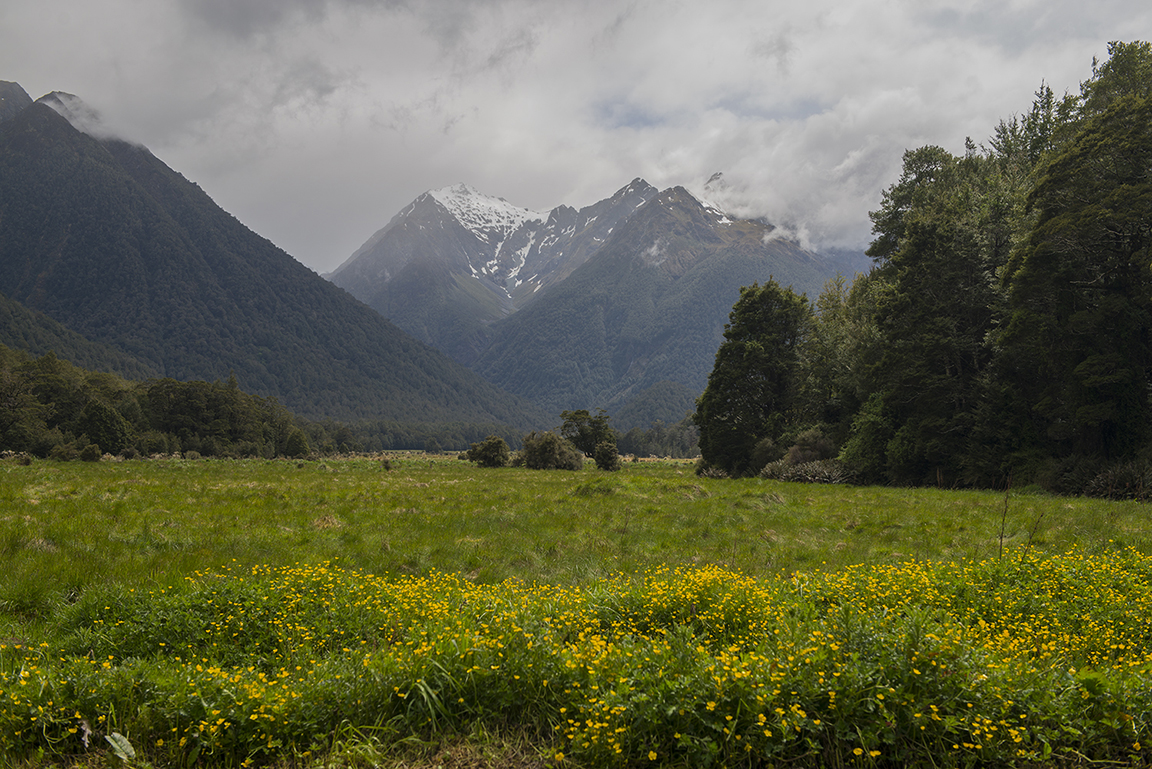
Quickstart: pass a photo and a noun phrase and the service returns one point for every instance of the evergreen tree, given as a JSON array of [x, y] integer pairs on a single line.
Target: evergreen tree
[[753, 388], [1078, 348]]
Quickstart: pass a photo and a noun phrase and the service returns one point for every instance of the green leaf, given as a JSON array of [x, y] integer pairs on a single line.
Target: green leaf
[[121, 746]]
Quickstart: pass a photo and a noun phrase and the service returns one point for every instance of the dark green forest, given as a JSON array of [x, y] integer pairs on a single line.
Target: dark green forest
[[51, 408], [1004, 334]]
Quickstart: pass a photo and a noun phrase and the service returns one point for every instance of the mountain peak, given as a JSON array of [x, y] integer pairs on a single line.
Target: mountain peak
[[13, 100], [479, 212]]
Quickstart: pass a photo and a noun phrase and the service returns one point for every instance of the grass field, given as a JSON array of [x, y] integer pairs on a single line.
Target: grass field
[[434, 613]]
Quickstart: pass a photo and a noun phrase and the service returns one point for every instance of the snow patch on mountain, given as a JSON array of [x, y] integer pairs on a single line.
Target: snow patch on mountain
[[482, 213]]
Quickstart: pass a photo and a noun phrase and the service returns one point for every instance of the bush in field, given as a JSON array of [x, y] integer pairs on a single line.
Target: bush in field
[[606, 456], [490, 452], [1127, 480], [818, 471], [548, 451]]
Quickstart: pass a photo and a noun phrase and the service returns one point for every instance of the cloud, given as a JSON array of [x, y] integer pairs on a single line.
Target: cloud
[[314, 121], [82, 117]]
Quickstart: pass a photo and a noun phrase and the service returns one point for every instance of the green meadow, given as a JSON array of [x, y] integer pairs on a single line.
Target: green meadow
[[419, 611]]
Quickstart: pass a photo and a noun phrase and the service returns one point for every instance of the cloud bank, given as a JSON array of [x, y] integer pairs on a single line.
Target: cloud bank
[[314, 121]]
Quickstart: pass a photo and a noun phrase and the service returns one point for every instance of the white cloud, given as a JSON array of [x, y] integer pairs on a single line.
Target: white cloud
[[314, 121]]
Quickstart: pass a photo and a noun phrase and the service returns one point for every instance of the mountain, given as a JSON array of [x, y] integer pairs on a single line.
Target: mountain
[[624, 299], [104, 238], [455, 260], [13, 100], [647, 309], [37, 334]]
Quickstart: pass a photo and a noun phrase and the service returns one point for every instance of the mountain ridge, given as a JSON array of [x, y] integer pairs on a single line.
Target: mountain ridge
[[609, 330], [648, 308], [415, 270]]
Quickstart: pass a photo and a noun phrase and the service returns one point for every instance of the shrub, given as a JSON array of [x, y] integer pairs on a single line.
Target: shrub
[[706, 470], [819, 471], [490, 452], [606, 456], [548, 451], [65, 451], [765, 451], [91, 453], [811, 445], [1127, 480]]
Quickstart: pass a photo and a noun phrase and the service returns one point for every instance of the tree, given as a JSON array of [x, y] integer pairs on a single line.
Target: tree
[[1078, 345], [1126, 72], [548, 451], [753, 387], [585, 431], [297, 444], [104, 426], [943, 234], [493, 451]]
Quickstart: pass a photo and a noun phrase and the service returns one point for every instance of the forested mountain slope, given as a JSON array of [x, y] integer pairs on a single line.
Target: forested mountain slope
[[106, 239], [37, 334]]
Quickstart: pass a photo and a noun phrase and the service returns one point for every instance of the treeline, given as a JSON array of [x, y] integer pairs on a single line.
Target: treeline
[[50, 408], [1004, 334], [373, 436], [662, 440]]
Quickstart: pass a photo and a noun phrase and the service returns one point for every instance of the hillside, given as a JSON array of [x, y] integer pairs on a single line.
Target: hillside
[[37, 334], [109, 241]]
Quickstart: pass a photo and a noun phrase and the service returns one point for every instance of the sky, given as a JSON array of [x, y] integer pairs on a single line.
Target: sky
[[315, 121]]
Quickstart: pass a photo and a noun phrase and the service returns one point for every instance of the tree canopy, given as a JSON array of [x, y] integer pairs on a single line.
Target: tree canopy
[[1005, 330]]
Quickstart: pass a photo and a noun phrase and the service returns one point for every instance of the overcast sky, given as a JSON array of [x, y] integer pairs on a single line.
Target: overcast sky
[[315, 121]]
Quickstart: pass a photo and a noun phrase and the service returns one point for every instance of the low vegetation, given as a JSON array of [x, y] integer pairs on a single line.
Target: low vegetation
[[395, 611]]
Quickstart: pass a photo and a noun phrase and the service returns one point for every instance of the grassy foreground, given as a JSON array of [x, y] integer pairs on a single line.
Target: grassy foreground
[[218, 613]]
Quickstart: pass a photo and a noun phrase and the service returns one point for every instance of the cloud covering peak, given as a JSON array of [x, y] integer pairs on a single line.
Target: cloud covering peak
[[314, 121]]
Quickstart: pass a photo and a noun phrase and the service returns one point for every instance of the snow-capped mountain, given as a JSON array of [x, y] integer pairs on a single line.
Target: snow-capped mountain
[[577, 308], [642, 317], [455, 260]]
